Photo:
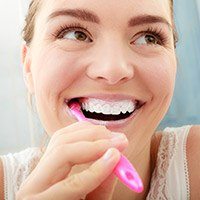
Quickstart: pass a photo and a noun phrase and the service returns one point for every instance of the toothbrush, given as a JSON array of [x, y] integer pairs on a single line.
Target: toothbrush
[[124, 170]]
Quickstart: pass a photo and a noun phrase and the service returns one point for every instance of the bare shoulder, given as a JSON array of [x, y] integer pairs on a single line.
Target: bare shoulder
[[193, 157], [1, 181]]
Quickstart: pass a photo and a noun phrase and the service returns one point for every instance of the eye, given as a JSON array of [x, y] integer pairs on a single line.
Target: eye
[[76, 35], [147, 39]]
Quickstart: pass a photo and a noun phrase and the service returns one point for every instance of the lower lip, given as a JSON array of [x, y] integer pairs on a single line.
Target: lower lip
[[108, 124]]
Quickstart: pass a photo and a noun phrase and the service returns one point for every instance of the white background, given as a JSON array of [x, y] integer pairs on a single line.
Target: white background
[[17, 125]]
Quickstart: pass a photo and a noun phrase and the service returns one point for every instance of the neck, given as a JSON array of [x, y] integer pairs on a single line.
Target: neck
[[142, 163]]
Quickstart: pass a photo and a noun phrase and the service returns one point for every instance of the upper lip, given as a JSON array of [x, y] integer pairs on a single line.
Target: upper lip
[[109, 97]]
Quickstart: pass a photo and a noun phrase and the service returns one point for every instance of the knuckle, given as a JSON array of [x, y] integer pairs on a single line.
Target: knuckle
[[56, 135], [101, 144], [59, 150], [83, 123], [74, 181], [97, 145], [95, 175], [101, 130], [75, 184], [53, 141]]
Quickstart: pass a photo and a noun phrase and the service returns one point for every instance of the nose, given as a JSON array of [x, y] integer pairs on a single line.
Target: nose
[[110, 66]]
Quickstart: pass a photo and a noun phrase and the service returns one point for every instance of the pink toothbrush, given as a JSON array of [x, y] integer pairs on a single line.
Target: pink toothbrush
[[124, 169]]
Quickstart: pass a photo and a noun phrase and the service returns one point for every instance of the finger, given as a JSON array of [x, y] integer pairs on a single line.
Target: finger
[[73, 127], [81, 184], [57, 165], [88, 134], [76, 132]]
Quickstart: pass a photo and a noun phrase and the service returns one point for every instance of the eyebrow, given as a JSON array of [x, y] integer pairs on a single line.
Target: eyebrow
[[77, 13], [89, 16]]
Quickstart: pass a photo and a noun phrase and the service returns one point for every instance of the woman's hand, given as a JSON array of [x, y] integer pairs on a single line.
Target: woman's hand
[[77, 144]]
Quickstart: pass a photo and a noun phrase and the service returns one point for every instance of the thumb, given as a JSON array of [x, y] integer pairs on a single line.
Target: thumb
[[105, 190]]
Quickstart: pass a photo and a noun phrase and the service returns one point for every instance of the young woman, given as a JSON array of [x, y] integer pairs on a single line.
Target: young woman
[[116, 61]]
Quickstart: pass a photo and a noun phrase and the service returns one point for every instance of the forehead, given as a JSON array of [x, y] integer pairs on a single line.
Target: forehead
[[119, 9]]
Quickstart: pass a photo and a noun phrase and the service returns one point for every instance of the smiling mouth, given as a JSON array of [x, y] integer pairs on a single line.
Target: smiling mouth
[[107, 111]]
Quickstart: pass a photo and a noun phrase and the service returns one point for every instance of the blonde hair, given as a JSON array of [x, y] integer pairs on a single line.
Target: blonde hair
[[28, 30]]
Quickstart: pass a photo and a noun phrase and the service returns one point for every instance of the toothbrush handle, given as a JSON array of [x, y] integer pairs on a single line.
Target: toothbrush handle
[[128, 175]]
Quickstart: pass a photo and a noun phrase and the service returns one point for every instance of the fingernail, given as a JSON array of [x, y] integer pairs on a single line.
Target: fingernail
[[119, 138], [115, 134], [108, 154]]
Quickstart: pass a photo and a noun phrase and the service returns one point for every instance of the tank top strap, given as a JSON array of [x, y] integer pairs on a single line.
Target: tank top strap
[[178, 175], [170, 178]]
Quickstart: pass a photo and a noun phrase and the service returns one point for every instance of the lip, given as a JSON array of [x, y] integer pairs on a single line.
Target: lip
[[111, 97], [115, 124], [108, 97]]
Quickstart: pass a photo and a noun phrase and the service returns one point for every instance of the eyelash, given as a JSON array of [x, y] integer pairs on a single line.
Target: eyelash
[[71, 27], [156, 32]]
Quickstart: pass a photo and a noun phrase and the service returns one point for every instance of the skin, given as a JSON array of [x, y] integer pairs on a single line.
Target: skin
[[117, 61]]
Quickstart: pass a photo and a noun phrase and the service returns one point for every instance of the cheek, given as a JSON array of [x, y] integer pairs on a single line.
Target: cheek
[[55, 71], [159, 75]]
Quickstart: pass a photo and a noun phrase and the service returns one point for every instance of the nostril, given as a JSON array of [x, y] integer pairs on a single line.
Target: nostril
[[110, 72]]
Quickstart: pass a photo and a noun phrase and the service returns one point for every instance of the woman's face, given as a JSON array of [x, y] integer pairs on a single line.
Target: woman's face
[[120, 50]]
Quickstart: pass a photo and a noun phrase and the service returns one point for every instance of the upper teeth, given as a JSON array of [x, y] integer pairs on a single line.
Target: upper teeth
[[108, 108]]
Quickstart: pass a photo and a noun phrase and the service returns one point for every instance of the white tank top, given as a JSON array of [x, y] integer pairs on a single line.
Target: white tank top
[[16, 168], [170, 179]]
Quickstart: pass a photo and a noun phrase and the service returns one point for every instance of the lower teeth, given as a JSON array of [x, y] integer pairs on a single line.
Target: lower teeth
[[102, 117]]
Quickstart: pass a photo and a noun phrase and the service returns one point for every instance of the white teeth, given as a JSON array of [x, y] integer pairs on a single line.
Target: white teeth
[[98, 108], [107, 107], [116, 110], [124, 109], [91, 107]]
